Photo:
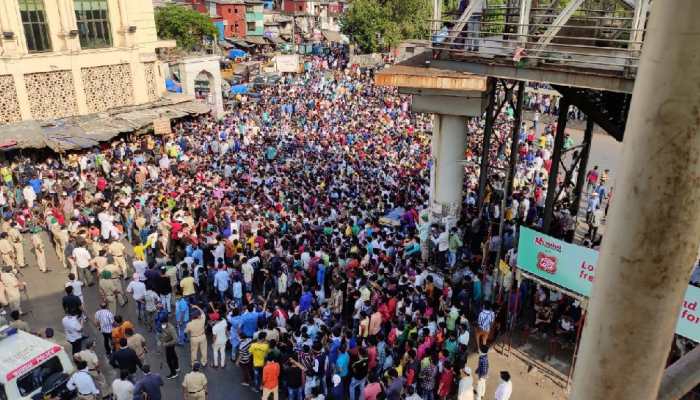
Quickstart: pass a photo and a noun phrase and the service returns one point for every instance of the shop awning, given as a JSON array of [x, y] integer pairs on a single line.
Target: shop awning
[[332, 36], [256, 40], [86, 131], [239, 43]]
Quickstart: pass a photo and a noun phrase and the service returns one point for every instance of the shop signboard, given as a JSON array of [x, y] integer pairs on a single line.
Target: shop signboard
[[573, 267]]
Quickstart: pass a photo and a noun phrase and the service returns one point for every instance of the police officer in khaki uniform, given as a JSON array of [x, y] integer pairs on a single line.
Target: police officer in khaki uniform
[[13, 287], [89, 356], [195, 329], [16, 238], [117, 250], [108, 290], [7, 251], [60, 241], [194, 386], [39, 250]]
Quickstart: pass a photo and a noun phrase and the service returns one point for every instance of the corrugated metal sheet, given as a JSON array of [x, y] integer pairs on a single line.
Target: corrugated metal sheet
[[88, 131]]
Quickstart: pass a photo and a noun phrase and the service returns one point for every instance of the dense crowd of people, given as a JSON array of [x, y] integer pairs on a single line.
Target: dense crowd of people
[[265, 237]]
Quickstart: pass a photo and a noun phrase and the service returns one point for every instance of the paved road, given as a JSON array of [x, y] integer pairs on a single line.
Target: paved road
[[45, 310]]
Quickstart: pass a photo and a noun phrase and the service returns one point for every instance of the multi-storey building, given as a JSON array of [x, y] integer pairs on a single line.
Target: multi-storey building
[[62, 58]]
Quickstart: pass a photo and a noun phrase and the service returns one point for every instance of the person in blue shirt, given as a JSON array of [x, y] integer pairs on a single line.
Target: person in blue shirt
[[182, 316], [342, 363], [320, 275], [198, 255], [305, 301], [235, 320], [249, 321], [35, 183]]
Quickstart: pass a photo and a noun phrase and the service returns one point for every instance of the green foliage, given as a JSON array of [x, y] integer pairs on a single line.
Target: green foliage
[[377, 24], [188, 27]]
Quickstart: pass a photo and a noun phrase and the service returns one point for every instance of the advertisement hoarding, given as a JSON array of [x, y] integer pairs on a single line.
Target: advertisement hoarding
[[573, 267]]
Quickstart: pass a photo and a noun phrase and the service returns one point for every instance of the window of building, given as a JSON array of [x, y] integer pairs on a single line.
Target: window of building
[[36, 30], [93, 23], [300, 7], [251, 26], [235, 10]]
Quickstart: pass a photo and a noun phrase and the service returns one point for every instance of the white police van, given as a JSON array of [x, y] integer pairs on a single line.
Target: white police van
[[32, 367]]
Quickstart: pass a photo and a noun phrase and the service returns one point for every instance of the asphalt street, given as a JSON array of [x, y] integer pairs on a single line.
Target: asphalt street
[[44, 310]]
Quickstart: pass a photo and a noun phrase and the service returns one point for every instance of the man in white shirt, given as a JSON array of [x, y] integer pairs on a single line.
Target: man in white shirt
[[138, 291], [505, 388], [82, 259], [220, 338], [122, 388], [82, 382], [465, 389], [73, 330]]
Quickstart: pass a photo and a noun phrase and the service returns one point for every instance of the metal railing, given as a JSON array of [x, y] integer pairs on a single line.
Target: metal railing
[[598, 36]]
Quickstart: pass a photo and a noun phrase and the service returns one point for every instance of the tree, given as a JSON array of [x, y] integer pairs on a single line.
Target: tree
[[188, 27], [376, 24]]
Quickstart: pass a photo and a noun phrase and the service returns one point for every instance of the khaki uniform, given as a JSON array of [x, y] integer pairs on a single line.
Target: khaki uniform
[[60, 239], [93, 362], [108, 289], [16, 239], [12, 290], [195, 386], [39, 251], [95, 248], [117, 251], [7, 253], [138, 344], [198, 339], [5, 226], [100, 262]]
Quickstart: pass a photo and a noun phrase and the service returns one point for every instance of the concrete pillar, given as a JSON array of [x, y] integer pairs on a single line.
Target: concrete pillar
[[447, 174], [653, 232]]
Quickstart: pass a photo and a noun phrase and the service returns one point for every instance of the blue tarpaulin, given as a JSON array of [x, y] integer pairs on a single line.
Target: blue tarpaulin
[[172, 86], [239, 89], [235, 53]]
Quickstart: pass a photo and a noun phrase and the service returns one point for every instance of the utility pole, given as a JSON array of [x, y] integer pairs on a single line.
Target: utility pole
[[652, 239]]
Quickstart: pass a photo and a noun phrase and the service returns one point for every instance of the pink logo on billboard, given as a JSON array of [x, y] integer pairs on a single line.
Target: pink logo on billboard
[[546, 263], [540, 241]]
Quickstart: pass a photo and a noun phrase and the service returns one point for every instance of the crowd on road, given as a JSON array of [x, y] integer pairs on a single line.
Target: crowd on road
[[289, 238]]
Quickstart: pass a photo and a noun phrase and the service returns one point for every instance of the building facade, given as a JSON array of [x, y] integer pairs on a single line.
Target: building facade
[[254, 18], [61, 58], [298, 7]]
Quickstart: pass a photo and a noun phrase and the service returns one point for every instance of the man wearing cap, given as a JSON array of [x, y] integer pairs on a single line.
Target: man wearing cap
[[16, 238], [89, 356], [39, 249], [196, 331], [194, 386], [116, 249], [7, 251], [108, 290]]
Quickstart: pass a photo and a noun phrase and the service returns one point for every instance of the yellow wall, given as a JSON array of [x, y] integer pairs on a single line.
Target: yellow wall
[[68, 80]]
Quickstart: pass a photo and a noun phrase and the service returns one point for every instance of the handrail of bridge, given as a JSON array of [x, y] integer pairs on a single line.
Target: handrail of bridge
[[574, 35]]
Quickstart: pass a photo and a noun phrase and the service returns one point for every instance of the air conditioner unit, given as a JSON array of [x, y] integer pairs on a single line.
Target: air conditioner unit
[[73, 33], [132, 29], [8, 35]]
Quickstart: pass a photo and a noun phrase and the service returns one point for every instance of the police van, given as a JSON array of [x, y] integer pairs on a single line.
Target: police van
[[32, 367]]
